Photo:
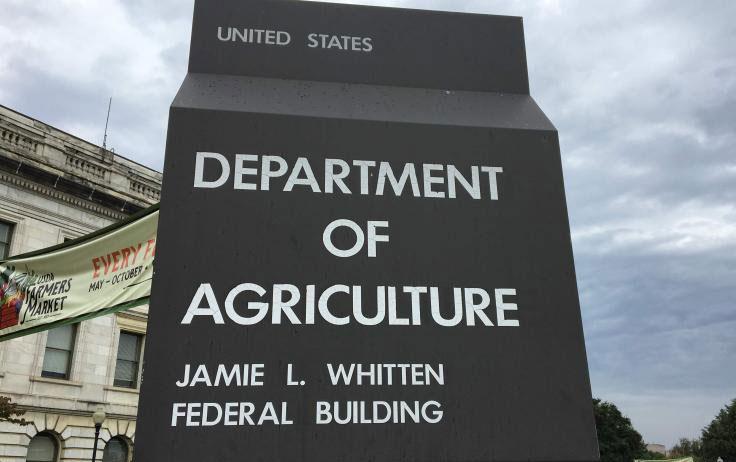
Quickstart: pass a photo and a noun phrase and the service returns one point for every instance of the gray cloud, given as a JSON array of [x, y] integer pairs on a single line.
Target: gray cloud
[[643, 94], [63, 72]]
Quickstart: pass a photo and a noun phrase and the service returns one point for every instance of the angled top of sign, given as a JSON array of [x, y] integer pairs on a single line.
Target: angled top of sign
[[359, 44]]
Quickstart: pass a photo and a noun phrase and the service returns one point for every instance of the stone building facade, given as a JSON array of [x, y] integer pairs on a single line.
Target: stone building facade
[[657, 448], [54, 187]]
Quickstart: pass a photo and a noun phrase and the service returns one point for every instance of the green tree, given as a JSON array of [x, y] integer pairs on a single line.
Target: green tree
[[649, 455], [719, 438], [686, 448], [618, 441], [9, 412]]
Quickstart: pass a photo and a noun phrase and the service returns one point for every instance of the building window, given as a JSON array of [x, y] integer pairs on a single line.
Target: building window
[[129, 353], [6, 230], [42, 448], [116, 450], [57, 359]]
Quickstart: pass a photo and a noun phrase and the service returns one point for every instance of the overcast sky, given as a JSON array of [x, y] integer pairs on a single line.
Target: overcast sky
[[642, 93]]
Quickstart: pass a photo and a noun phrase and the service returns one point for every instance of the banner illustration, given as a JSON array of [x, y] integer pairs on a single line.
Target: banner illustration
[[100, 273]]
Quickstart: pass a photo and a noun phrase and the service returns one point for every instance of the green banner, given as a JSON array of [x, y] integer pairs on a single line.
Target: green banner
[[97, 274]]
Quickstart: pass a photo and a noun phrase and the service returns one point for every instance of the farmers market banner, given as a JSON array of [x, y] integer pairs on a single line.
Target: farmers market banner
[[100, 273]]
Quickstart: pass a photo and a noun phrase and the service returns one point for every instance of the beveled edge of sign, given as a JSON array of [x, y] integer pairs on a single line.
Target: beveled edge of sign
[[379, 103]]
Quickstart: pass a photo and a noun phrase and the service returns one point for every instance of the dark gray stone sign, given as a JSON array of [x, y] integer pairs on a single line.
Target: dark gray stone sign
[[364, 251]]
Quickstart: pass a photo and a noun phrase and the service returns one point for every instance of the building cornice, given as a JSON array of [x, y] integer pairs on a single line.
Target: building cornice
[[54, 410], [75, 201], [86, 175]]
